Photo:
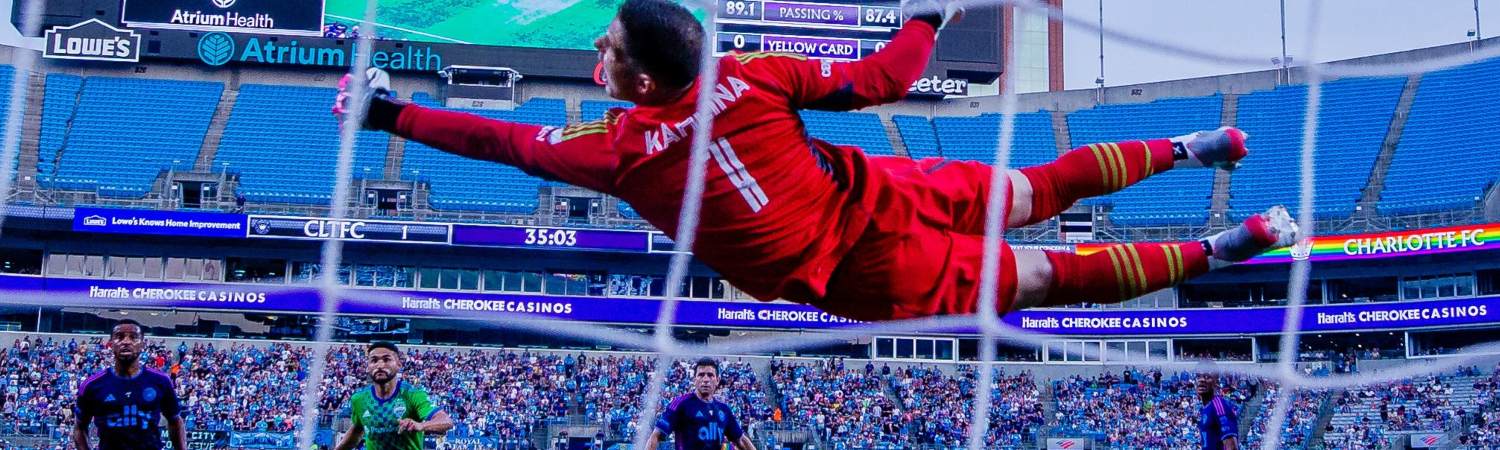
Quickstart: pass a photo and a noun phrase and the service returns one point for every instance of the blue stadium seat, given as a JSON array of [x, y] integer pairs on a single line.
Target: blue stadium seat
[[284, 144], [58, 102], [920, 138], [460, 183], [594, 109], [976, 138], [1176, 197], [862, 130], [1443, 161], [1353, 120], [121, 135]]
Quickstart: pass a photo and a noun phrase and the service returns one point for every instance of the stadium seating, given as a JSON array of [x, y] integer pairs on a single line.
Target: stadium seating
[[918, 135], [976, 138], [1133, 410], [510, 395], [1145, 204], [116, 134], [613, 387], [1365, 417], [59, 101], [284, 145], [862, 130], [1301, 416], [464, 184], [934, 407], [1441, 161], [841, 405], [1483, 431], [1353, 120], [594, 109], [7, 74]]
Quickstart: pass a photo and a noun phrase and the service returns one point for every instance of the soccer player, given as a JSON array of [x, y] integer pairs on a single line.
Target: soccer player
[[1218, 419], [127, 402], [392, 414], [697, 420], [792, 217]]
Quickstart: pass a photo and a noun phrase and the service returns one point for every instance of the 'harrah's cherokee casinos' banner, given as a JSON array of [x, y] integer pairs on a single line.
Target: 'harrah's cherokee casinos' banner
[[30, 291], [1429, 241]]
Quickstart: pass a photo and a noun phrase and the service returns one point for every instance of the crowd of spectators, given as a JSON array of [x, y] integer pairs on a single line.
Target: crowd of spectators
[[936, 408], [1296, 430], [1374, 413], [845, 407], [1483, 427], [500, 394], [1137, 409], [510, 396]]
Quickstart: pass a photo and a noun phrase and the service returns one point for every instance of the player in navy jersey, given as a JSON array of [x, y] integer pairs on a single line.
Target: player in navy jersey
[[1218, 420], [697, 420], [126, 402]]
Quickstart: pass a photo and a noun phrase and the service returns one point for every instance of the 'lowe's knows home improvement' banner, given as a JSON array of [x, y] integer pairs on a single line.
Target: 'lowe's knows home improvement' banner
[[31, 291]]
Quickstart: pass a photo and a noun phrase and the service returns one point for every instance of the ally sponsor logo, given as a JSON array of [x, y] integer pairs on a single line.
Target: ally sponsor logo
[[217, 49]]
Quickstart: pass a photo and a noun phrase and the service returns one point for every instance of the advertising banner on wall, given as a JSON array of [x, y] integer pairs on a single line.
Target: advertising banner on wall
[[243, 16], [1351, 247], [92, 40], [29, 290]]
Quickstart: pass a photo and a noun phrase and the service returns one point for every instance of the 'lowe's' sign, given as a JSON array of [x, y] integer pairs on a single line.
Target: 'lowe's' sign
[[217, 49]]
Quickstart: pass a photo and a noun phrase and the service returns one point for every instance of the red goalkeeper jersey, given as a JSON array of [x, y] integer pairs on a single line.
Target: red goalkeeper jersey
[[780, 209]]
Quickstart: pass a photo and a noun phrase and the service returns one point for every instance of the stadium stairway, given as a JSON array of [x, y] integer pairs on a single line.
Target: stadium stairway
[[1219, 206], [1251, 409], [1370, 195], [205, 161], [1325, 417], [1492, 204], [1060, 131], [31, 126], [889, 389], [1049, 406], [894, 135]]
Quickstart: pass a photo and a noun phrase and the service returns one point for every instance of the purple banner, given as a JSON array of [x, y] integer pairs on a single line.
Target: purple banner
[[811, 13], [551, 238], [163, 223], [814, 47], [470, 305]]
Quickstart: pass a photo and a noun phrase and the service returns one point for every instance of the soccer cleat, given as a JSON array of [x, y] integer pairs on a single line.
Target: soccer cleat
[[1259, 234], [1222, 148]]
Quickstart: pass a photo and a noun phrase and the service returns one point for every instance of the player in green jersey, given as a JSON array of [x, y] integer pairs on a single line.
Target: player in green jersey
[[392, 414]]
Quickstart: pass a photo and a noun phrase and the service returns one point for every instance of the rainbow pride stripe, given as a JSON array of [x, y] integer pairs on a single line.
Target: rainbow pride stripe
[[1431, 241]]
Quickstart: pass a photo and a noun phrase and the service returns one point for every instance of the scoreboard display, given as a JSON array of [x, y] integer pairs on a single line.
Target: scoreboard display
[[830, 29]]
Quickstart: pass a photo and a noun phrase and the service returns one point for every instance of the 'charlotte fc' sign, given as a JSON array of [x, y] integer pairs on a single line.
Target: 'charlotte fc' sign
[[92, 40], [283, 16], [217, 49]]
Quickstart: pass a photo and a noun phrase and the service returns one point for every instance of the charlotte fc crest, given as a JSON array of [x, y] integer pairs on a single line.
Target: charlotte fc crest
[[1302, 250]]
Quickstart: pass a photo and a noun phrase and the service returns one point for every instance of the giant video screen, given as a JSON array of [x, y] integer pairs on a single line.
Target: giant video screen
[[838, 29], [552, 24]]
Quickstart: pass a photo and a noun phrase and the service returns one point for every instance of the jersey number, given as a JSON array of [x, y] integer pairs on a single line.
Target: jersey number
[[738, 175]]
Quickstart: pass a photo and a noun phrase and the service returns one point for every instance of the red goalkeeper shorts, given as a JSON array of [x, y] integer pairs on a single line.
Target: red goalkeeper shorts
[[922, 254]]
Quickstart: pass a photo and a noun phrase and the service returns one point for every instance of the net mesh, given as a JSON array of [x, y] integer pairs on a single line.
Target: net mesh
[[993, 331]]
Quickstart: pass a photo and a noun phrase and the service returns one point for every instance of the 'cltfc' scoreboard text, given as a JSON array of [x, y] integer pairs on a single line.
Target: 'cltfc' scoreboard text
[[849, 29]]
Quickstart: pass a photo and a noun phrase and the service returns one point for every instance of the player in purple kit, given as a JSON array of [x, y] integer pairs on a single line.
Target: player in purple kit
[[126, 402], [697, 420], [1218, 420]]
